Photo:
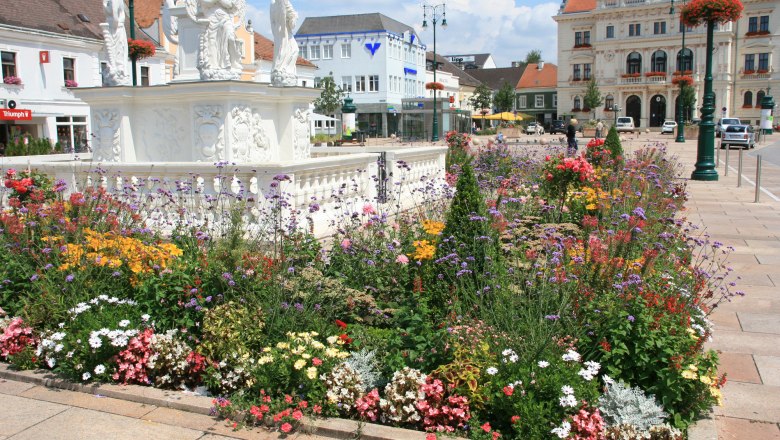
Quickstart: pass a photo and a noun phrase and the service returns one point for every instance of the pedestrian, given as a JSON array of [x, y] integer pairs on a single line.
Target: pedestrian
[[571, 137], [599, 130]]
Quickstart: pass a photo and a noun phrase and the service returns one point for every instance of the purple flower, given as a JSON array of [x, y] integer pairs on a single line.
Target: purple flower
[[34, 277], [552, 317], [116, 274], [639, 212], [299, 307], [285, 306], [69, 278], [631, 318]]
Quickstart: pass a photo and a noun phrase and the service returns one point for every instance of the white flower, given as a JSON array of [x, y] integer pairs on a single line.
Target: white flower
[[563, 430], [571, 356], [85, 377], [586, 374], [568, 401], [58, 348], [492, 371], [608, 380], [567, 390], [145, 317], [95, 342], [124, 323], [593, 366], [51, 362], [543, 364], [100, 369], [514, 358]]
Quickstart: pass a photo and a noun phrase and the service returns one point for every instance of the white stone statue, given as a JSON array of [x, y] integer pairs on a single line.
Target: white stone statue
[[115, 40], [283, 21], [220, 51], [170, 26]]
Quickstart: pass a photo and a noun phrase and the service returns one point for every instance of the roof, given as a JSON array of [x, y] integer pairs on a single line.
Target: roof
[[533, 78], [446, 66], [345, 24], [146, 12], [264, 50], [579, 6], [479, 58], [495, 78]]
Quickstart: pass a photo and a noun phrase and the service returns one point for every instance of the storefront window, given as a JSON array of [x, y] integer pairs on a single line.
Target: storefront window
[[72, 133]]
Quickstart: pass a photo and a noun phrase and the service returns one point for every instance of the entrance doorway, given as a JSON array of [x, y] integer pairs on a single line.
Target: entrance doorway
[[657, 110], [634, 109]]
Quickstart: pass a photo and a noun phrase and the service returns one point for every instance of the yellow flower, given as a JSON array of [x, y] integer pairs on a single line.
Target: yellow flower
[[688, 374], [306, 356], [424, 250], [715, 392], [300, 363], [311, 373], [693, 367], [265, 360], [331, 352], [705, 380], [332, 340], [282, 346], [432, 227], [317, 345]]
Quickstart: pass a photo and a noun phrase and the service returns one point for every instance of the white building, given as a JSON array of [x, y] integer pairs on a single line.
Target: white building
[[43, 43], [633, 50], [378, 61]]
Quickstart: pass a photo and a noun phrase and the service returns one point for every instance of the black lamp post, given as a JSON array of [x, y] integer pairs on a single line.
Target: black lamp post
[[705, 152], [680, 108], [132, 36], [615, 109], [436, 12]]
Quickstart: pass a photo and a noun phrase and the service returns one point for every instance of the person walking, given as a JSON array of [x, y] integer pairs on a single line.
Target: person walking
[[599, 130], [571, 137]]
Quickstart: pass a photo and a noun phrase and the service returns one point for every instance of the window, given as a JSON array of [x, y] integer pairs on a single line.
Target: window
[[327, 52], [9, 63], [634, 30], [753, 24], [763, 62], [577, 39], [317, 82], [346, 84], [104, 74], [576, 76], [659, 27], [609, 102], [69, 69], [314, 52], [764, 24], [373, 83], [685, 61], [577, 103], [634, 63], [144, 75], [750, 62], [759, 98], [539, 101], [360, 84], [586, 37], [522, 101], [72, 131], [610, 31], [346, 50], [684, 28], [748, 101], [659, 61], [555, 100], [586, 72]]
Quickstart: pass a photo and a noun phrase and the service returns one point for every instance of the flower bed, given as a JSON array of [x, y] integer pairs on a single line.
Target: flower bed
[[554, 297]]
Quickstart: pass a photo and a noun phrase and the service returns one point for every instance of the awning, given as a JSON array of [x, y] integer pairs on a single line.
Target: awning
[[319, 117]]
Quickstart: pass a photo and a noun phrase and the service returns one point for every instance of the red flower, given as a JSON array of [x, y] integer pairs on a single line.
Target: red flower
[[486, 427], [286, 427], [344, 337], [515, 419], [297, 414], [341, 324], [508, 390]]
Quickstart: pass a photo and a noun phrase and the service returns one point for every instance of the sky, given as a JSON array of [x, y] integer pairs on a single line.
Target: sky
[[507, 29]]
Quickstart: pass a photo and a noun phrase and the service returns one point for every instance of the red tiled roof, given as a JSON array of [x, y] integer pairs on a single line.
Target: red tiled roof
[[579, 6], [534, 78], [146, 12], [264, 50]]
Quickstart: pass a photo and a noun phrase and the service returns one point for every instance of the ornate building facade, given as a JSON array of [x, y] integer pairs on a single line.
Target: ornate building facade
[[633, 49]]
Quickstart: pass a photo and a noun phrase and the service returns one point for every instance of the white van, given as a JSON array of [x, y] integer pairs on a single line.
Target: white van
[[625, 123]]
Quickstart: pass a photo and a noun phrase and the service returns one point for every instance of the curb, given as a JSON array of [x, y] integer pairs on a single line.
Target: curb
[[342, 429], [704, 429]]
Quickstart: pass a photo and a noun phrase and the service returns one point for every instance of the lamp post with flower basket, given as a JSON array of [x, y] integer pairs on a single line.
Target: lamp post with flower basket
[[709, 12], [436, 12], [680, 110]]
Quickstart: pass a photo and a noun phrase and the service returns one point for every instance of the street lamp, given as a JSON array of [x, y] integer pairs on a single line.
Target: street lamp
[[132, 36], [615, 109], [680, 108], [436, 13]]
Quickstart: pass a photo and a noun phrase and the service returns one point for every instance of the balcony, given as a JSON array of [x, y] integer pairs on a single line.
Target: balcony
[[756, 74]]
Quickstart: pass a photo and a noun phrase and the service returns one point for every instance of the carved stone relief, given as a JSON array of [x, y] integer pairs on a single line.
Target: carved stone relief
[[249, 141], [163, 136], [301, 134], [209, 136], [105, 124]]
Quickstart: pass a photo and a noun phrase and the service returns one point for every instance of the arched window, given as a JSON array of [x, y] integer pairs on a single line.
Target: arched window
[[659, 61], [634, 63], [609, 102], [759, 98], [577, 103], [748, 101], [685, 62]]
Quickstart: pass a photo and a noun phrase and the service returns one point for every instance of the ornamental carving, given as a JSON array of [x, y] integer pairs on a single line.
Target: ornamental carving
[[249, 141], [163, 136], [105, 124], [301, 134], [209, 133]]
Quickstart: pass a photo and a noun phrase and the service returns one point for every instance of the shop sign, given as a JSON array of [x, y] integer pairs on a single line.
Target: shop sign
[[44, 56], [15, 114]]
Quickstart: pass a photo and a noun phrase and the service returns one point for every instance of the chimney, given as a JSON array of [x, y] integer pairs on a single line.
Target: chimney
[[540, 66]]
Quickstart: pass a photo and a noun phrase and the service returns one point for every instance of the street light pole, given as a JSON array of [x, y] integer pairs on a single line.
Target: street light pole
[[680, 107], [132, 36], [705, 153], [435, 15]]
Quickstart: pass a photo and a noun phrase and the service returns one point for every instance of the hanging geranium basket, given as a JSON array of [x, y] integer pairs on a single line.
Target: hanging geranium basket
[[140, 49], [698, 12], [434, 86]]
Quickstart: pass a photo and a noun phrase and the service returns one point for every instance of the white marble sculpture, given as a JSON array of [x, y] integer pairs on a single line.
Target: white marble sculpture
[[170, 24], [115, 38], [105, 123], [283, 21], [220, 51], [302, 134]]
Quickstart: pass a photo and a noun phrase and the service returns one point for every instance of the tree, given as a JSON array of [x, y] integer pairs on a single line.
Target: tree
[[505, 98], [481, 99], [533, 57], [330, 98], [592, 98], [688, 95]]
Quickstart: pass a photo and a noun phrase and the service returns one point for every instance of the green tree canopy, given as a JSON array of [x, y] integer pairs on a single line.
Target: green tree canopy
[[505, 98], [533, 57], [482, 98], [330, 98], [688, 95], [592, 98]]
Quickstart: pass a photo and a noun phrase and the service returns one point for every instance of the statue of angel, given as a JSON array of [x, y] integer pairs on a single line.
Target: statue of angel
[[283, 21], [220, 51], [115, 40]]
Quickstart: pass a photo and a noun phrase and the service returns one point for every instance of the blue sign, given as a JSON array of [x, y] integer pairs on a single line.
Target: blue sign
[[411, 39], [373, 47], [408, 71]]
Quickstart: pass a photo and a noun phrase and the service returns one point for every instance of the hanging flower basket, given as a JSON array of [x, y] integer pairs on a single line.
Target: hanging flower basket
[[434, 86], [682, 80], [69, 83], [140, 49], [698, 12], [14, 80]]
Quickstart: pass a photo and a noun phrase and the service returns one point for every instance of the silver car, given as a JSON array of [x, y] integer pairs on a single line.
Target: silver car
[[722, 124], [742, 135]]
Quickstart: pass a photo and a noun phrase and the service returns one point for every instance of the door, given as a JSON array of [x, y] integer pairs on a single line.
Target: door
[[634, 109], [657, 110]]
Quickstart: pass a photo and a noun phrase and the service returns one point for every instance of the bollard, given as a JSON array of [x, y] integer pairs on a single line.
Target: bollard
[[717, 154], [726, 172], [758, 178], [739, 168]]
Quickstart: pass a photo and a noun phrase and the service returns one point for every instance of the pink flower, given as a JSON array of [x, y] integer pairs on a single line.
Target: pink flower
[[509, 390], [486, 427], [368, 209], [402, 259], [286, 427], [346, 243], [316, 362], [297, 414]]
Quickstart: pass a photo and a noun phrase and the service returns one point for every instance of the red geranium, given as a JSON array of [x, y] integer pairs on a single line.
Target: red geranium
[[140, 49], [434, 86], [698, 12]]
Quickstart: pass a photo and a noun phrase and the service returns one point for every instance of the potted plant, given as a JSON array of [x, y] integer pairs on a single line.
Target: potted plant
[[698, 12], [69, 83], [434, 86], [683, 79], [140, 49], [12, 80]]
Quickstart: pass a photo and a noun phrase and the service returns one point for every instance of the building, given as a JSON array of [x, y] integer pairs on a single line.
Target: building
[[459, 85], [633, 49], [45, 43], [497, 78], [472, 61], [264, 59], [536, 92], [378, 61]]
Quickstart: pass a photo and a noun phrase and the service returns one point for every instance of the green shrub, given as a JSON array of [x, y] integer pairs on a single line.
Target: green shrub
[[612, 143]]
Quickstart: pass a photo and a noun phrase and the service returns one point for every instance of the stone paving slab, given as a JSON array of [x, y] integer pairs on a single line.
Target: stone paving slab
[[756, 305], [759, 322], [769, 369], [750, 401], [730, 428], [13, 388], [744, 342], [739, 367], [89, 401], [175, 417], [19, 413], [724, 320]]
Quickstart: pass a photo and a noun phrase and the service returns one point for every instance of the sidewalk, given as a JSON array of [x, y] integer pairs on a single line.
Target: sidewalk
[[747, 330]]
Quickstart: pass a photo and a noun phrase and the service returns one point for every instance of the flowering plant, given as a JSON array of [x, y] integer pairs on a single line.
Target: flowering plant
[[133, 362], [434, 86], [682, 80], [13, 80], [756, 33], [15, 337], [140, 49], [697, 12], [28, 185], [173, 364], [631, 75], [748, 71], [649, 74]]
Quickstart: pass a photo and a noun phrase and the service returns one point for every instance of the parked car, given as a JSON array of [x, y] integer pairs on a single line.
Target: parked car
[[668, 127], [534, 128], [742, 135], [558, 126], [723, 125], [624, 124]]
